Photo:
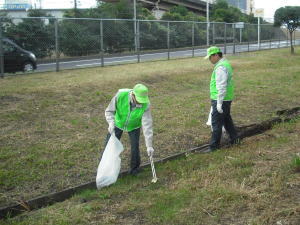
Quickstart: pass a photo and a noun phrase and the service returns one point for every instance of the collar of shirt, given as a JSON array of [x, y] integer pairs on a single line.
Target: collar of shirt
[[132, 103], [221, 60]]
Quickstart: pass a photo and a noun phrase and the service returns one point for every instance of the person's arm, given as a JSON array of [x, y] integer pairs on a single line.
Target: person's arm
[[221, 83], [147, 125], [111, 110]]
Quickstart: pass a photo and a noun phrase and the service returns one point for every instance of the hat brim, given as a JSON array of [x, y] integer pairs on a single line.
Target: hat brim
[[206, 57], [142, 99]]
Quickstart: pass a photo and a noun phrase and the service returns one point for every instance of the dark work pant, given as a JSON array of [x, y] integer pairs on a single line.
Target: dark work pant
[[221, 119], [134, 142]]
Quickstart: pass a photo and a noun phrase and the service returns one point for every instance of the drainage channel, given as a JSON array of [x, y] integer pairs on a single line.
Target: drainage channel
[[46, 200]]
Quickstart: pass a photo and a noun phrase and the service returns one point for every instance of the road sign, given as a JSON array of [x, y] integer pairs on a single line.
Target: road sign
[[239, 25], [259, 12]]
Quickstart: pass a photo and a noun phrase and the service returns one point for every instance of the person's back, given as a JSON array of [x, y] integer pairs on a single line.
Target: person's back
[[129, 110]]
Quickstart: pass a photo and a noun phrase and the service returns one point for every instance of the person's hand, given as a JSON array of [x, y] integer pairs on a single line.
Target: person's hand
[[111, 128], [150, 151], [219, 108]]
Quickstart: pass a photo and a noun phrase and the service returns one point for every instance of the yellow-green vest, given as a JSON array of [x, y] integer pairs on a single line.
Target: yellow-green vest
[[127, 119], [230, 85]]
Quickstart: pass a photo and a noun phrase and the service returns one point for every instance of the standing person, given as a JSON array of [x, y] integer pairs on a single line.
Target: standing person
[[221, 95], [129, 110]]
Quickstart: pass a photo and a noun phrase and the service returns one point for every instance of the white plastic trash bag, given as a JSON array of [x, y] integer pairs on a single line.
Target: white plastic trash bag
[[110, 164], [208, 123]]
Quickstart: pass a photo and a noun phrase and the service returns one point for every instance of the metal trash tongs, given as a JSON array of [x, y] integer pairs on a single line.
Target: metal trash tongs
[[154, 180]]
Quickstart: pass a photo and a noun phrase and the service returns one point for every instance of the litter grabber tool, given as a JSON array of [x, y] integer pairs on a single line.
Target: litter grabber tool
[[154, 180]]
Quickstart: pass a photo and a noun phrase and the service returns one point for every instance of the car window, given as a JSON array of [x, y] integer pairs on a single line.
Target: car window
[[7, 48]]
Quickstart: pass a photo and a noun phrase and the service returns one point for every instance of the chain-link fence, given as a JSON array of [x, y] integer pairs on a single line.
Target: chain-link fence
[[63, 43]]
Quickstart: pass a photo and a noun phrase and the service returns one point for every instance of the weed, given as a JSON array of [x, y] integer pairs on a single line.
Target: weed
[[295, 164]]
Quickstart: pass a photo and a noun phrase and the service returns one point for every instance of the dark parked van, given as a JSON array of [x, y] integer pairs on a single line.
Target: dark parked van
[[16, 58]]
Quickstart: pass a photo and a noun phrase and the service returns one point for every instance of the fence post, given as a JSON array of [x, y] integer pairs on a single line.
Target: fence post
[[248, 28], [225, 38], [1, 51], [279, 33], [287, 38], [101, 43], [270, 42], [233, 31], [135, 36], [258, 32], [138, 41], [213, 33], [56, 45], [193, 39], [168, 40]]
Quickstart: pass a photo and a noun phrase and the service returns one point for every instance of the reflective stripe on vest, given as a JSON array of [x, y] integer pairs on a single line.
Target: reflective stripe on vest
[[127, 119], [230, 85]]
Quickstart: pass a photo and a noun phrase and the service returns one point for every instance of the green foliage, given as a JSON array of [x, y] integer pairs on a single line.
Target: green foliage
[[33, 34], [5, 21], [79, 37], [181, 33], [117, 10], [222, 12], [289, 16], [180, 13]]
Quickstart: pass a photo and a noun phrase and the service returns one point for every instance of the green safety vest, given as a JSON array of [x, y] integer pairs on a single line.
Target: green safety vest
[[127, 119], [230, 85]]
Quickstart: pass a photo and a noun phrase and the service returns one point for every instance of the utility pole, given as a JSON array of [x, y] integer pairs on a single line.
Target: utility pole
[[207, 22], [75, 8]]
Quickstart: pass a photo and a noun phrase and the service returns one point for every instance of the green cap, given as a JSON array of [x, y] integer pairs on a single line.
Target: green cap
[[211, 51], [141, 93]]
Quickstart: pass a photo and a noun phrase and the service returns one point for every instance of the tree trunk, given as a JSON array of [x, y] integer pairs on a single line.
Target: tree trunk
[[291, 40]]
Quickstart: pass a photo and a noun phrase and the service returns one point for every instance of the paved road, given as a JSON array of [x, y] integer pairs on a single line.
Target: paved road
[[156, 56]]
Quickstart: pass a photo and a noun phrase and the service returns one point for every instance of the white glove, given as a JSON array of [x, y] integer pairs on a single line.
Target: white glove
[[150, 151], [111, 127], [219, 108]]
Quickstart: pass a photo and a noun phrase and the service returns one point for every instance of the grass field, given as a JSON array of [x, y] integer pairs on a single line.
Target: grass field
[[255, 183], [53, 126]]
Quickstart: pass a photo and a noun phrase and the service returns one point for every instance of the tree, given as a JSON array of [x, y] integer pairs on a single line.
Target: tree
[[290, 17], [180, 13], [181, 33], [5, 21], [34, 34]]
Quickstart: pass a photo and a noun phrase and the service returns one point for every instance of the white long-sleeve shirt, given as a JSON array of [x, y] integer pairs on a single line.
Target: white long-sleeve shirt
[[222, 76], [147, 122]]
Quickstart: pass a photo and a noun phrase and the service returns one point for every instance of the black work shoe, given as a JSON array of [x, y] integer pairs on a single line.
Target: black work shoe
[[209, 150], [134, 172]]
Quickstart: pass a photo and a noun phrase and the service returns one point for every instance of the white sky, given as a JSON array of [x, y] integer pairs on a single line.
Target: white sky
[[54, 4], [270, 6]]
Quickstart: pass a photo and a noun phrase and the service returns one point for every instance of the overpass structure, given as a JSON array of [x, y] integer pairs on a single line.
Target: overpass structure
[[196, 6]]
